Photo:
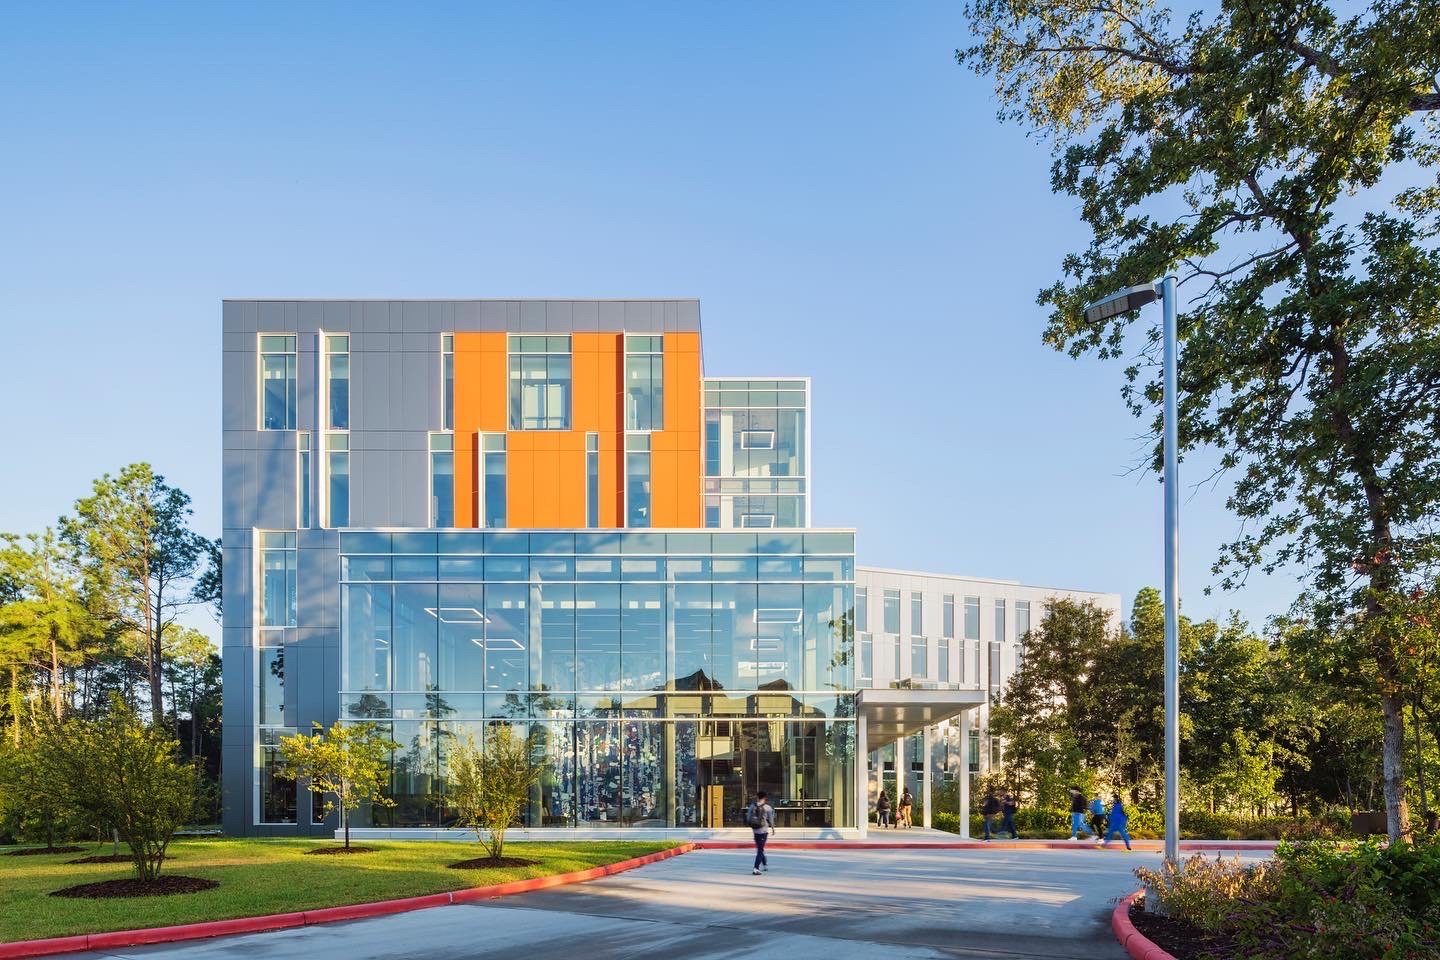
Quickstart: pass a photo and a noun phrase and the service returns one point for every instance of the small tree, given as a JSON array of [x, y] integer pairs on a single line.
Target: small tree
[[489, 787], [127, 775], [30, 806], [349, 762]]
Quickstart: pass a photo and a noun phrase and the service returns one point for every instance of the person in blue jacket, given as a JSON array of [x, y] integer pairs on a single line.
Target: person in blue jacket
[[1097, 818], [1119, 821]]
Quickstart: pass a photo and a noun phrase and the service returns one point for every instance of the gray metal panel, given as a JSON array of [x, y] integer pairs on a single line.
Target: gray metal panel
[[235, 317], [492, 316], [238, 488], [240, 374], [317, 587], [237, 574], [672, 322], [421, 343], [311, 317], [238, 340], [585, 316], [309, 681], [532, 316], [611, 314], [413, 381], [272, 317], [237, 637], [688, 318], [275, 474], [512, 316], [414, 315], [370, 489], [335, 316], [235, 787], [559, 316], [642, 316], [307, 374], [408, 493], [467, 316]]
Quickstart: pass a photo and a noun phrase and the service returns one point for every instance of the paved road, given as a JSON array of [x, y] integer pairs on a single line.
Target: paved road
[[813, 905]]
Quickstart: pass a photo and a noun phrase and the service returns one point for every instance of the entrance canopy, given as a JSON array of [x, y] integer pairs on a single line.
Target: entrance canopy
[[891, 714]]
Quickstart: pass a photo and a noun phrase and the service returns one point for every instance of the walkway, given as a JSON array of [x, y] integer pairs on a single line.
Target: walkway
[[814, 905]]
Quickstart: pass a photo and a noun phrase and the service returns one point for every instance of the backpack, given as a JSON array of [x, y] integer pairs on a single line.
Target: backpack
[[754, 817]]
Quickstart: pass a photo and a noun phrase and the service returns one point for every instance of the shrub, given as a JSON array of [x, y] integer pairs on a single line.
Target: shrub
[[1200, 891], [350, 762], [488, 787]]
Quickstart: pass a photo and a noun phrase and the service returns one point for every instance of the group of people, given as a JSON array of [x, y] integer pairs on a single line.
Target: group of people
[[1106, 823], [904, 810]]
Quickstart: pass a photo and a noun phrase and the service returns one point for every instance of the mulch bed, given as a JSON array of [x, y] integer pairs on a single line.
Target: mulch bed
[[37, 851], [105, 858], [1182, 940], [130, 887], [327, 851], [480, 863]]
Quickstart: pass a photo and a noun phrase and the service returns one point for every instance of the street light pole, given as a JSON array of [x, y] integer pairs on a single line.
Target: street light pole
[[1172, 576], [1124, 301]]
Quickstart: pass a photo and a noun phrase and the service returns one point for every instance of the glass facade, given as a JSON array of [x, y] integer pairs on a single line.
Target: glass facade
[[277, 382], [644, 383], [302, 480], [337, 381], [755, 451], [277, 579], [442, 480], [663, 677], [447, 378], [337, 468], [492, 482], [637, 480]]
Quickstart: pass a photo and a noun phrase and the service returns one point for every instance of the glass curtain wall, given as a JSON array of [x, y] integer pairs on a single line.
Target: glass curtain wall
[[661, 677]]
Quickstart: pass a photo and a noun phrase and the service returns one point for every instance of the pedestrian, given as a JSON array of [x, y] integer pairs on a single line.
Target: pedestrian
[[882, 810], [1097, 818], [760, 818], [1077, 812], [1432, 822], [906, 808], [1119, 820], [1008, 806], [989, 810]]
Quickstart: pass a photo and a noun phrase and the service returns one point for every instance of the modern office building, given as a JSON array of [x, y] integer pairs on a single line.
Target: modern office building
[[445, 515]]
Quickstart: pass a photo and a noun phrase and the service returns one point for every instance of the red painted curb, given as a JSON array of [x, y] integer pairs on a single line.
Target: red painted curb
[[964, 845], [1135, 943], [282, 921]]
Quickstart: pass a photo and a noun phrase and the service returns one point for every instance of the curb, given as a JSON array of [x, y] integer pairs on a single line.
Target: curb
[[1135, 943], [356, 911], [1241, 846]]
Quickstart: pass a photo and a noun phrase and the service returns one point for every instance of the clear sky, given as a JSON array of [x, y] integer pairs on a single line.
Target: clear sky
[[823, 177]]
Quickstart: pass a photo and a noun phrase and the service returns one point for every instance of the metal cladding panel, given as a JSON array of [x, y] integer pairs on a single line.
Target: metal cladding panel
[[239, 376], [239, 491], [336, 316], [307, 376], [236, 779], [412, 381], [272, 318], [237, 573], [317, 586], [410, 496], [276, 501], [235, 317], [311, 317], [369, 488], [307, 659]]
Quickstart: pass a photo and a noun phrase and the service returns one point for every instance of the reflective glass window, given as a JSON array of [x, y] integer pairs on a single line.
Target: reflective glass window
[[917, 614], [302, 479], [442, 480], [972, 618], [644, 383], [277, 382], [862, 609], [337, 381], [540, 378], [277, 572], [947, 616], [338, 467], [892, 611]]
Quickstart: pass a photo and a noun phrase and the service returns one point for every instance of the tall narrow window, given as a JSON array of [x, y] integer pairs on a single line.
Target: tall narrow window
[[1022, 628], [277, 579], [919, 657], [644, 383], [867, 658], [942, 660], [947, 616], [492, 452], [337, 466], [972, 618], [539, 383], [447, 378], [1000, 621], [302, 479], [442, 480], [592, 479], [277, 382], [892, 611], [862, 609], [337, 380], [974, 751], [917, 614], [994, 668], [637, 480], [899, 656]]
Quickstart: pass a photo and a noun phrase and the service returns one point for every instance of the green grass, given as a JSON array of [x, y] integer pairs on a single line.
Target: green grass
[[268, 876]]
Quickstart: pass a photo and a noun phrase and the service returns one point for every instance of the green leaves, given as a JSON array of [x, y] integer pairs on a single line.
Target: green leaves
[[348, 761], [489, 787]]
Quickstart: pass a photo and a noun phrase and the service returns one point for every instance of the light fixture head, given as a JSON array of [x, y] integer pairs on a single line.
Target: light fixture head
[[1123, 301]]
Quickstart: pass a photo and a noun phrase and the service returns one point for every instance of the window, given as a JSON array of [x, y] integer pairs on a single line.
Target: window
[[442, 480], [917, 614], [895, 645], [891, 612], [919, 657], [867, 658], [637, 480], [592, 479], [862, 609], [277, 573], [337, 380], [994, 668], [539, 383], [492, 492], [1022, 628], [974, 751], [644, 383], [337, 465], [947, 616], [1000, 621], [942, 662], [277, 795], [302, 479], [972, 618], [277, 382], [447, 378]]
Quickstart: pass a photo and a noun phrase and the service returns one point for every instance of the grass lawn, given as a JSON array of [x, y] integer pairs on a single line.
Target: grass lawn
[[267, 876]]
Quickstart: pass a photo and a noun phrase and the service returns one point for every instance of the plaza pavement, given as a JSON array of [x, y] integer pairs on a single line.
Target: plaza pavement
[[853, 904]]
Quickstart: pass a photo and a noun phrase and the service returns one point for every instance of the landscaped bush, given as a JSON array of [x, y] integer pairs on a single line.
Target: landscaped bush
[[1315, 901]]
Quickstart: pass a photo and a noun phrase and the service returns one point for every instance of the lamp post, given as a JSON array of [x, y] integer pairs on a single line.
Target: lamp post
[[1133, 298]]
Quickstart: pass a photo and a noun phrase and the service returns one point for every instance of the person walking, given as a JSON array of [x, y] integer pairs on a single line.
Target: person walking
[[1077, 812], [760, 818], [1119, 820], [882, 810], [1008, 806], [1097, 818], [989, 810], [906, 809]]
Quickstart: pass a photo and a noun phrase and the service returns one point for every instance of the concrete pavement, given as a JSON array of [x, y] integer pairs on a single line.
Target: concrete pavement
[[814, 905]]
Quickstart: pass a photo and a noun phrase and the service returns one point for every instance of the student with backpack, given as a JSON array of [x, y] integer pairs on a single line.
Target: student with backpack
[[760, 818], [989, 811], [1008, 807], [1119, 821], [905, 809], [1077, 812], [882, 810]]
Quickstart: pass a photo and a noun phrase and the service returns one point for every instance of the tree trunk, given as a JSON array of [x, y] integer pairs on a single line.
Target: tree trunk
[[55, 673], [1420, 763], [15, 703], [345, 822]]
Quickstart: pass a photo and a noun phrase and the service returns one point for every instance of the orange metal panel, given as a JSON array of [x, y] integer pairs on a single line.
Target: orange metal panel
[[545, 503], [572, 480], [519, 479], [664, 484]]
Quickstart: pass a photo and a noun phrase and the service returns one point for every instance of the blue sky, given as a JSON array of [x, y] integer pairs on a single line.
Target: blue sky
[[823, 177]]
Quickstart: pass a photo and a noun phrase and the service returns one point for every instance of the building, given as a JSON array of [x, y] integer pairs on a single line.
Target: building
[[442, 515]]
